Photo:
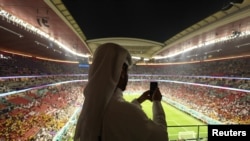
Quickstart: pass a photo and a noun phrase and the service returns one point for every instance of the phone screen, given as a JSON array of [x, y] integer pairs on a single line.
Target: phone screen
[[153, 86]]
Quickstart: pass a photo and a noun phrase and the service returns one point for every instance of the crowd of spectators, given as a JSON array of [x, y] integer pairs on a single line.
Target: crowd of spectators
[[236, 67], [15, 65], [218, 89], [39, 115], [226, 106]]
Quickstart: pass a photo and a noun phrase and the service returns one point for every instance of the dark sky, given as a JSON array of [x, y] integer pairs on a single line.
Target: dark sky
[[146, 19]]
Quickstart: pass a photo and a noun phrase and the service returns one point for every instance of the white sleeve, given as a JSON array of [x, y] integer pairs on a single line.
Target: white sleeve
[[159, 114], [135, 101], [159, 119], [135, 125]]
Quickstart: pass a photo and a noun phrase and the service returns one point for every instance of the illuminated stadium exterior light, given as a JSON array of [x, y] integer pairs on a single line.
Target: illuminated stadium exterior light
[[218, 40], [11, 31], [27, 26]]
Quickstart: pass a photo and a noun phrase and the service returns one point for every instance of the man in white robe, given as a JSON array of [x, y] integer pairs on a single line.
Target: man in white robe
[[105, 115]]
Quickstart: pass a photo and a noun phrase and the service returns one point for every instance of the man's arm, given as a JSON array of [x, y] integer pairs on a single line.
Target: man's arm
[[159, 114]]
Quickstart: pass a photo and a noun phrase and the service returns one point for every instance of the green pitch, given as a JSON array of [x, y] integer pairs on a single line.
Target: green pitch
[[180, 124]]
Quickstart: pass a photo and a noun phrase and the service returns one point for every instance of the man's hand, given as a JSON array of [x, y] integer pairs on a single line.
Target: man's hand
[[157, 95], [146, 96]]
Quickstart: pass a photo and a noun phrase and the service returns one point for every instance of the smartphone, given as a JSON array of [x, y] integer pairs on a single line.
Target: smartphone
[[153, 86]]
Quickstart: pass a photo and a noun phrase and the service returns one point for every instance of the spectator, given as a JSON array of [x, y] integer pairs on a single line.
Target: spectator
[[105, 115]]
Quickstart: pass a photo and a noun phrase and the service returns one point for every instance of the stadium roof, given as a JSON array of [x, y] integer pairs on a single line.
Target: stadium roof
[[147, 28]]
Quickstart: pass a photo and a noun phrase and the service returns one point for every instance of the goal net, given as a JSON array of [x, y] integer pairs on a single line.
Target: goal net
[[187, 135]]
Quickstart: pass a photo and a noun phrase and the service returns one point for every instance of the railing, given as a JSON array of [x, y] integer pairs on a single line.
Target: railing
[[188, 132]]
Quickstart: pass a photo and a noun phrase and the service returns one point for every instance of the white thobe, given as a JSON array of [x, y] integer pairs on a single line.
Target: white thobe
[[124, 121]]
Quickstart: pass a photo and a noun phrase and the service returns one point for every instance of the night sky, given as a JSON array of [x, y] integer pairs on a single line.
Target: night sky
[[145, 19]]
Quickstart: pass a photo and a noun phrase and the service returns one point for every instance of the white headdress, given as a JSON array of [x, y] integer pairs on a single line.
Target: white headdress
[[103, 77]]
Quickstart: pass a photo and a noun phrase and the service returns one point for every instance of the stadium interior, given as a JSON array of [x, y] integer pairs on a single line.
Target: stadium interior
[[46, 48]]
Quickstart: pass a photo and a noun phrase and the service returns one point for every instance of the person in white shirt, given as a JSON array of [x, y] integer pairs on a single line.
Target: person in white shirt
[[105, 115]]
